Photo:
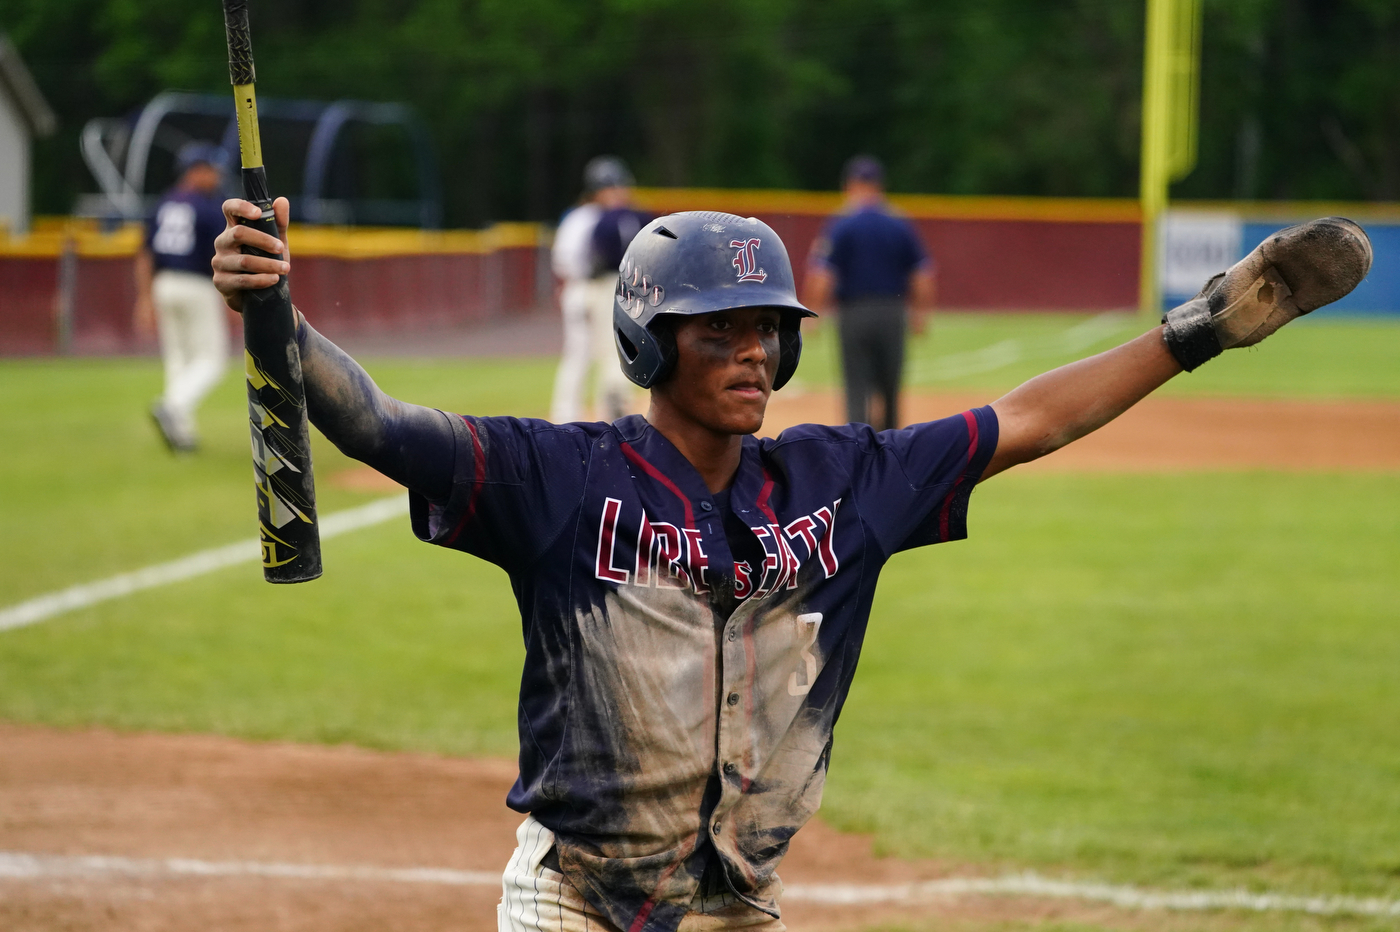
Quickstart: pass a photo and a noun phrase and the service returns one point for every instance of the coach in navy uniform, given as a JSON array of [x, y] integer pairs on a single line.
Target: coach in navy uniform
[[874, 263]]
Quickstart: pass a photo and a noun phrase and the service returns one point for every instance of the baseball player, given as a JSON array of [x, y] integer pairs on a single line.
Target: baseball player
[[174, 294], [874, 263], [616, 226], [694, 599], [586, 344]]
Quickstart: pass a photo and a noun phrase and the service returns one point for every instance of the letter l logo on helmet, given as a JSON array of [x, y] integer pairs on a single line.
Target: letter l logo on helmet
[[746, 260]]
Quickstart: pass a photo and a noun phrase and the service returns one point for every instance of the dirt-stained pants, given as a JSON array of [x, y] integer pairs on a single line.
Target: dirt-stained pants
[[537, 899]]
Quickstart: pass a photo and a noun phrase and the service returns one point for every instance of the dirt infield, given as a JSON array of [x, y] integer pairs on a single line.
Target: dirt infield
[[1178, 433], [1158, 435], [235, 803]]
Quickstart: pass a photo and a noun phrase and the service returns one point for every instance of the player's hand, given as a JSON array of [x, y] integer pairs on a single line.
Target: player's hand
[[234, 272], [1292, 273]]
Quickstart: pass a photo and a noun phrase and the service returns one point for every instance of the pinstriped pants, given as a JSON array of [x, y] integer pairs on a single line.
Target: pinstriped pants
[[537, 899]]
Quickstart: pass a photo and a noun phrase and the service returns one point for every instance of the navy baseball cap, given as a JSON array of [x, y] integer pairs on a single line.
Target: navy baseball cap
[[193, 153], [865, 168]]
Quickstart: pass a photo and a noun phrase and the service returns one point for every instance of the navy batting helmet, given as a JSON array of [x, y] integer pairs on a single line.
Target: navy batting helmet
[[694, 263], [606, 171], [198, 152]]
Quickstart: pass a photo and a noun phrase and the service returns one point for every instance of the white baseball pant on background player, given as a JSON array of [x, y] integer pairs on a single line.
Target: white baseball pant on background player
[[537, 899], [576, 355], [612, 392], [572, 260], [193, 325]]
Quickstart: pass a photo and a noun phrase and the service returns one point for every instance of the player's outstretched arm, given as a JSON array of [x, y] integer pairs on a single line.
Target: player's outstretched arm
[[408, 443], [1064, 404], [1293, 272]]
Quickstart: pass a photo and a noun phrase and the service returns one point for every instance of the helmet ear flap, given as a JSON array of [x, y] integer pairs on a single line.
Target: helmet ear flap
[[663, 335], [647, 354], [789, 349]]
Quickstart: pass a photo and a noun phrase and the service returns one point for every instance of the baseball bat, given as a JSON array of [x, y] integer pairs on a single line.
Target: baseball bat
[[286, 491]]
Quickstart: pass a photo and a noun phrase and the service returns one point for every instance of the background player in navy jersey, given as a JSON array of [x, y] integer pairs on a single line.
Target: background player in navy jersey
[[174, 296], [586, 296], [617, 224], [694, 599]]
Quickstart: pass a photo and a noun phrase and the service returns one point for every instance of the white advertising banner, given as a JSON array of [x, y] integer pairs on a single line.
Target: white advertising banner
[[1194, 246]]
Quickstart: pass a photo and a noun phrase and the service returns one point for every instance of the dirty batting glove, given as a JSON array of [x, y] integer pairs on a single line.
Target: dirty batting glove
[[1293, 272]]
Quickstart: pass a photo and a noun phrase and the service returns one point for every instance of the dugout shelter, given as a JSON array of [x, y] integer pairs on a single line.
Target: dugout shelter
[[24, 116], [346, 162]]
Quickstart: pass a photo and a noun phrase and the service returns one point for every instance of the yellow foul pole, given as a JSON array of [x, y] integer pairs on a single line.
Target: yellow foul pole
[[1170, 104]]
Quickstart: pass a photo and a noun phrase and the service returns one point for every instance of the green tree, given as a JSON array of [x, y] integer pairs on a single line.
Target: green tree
[[1299, 97]]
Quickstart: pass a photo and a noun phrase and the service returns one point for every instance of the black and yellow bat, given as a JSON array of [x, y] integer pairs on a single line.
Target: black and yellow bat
[[291, 539]]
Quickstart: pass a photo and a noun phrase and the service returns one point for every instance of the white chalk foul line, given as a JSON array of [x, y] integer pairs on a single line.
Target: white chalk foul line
[[20, 866], [1121, 896], [196, 564], [1074, 340]]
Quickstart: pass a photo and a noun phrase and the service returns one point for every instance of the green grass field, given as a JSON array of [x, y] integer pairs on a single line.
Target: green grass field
[[1172, 680]]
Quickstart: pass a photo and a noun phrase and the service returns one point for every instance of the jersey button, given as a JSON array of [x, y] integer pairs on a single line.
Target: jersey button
[[733, 699], [729, 768], [733, 633], [716, 827], [706, 506]]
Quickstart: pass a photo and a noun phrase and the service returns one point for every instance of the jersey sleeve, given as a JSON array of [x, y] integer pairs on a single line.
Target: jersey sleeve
[[573, 243], [517, 483], [913, 486]]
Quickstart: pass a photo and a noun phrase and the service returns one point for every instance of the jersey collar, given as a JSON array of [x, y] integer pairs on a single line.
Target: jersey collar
[[670, 466]]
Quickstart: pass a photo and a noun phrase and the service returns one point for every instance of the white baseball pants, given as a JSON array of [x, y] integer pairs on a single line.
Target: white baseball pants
[[537, 899], [193, 327], [588, 342], [567, 403]]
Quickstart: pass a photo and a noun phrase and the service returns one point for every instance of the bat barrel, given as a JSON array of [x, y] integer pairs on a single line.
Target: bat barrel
[[281, 433]]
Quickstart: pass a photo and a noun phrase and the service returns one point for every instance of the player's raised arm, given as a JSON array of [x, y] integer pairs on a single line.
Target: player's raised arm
[[1291, 273], [1064, 404], [410, 444]]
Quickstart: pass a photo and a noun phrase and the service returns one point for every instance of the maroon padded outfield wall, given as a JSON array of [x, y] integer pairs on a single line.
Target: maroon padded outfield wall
[[67, 287], [993, 254]]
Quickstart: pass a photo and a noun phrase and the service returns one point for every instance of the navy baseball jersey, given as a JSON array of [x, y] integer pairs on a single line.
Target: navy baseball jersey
[[872, 252], [677, 702], [181, 232], [612, 234]]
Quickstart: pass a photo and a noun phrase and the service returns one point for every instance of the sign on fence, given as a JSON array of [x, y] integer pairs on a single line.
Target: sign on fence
[[1194, 246]]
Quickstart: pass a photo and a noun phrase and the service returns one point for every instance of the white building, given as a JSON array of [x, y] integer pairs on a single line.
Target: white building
[[24, 114]]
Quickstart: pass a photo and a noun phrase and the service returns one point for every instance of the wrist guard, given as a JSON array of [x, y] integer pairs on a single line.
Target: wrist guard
[[1189, 333]]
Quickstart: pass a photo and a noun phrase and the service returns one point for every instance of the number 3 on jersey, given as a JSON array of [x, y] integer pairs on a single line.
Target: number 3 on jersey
[[808, 625]]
